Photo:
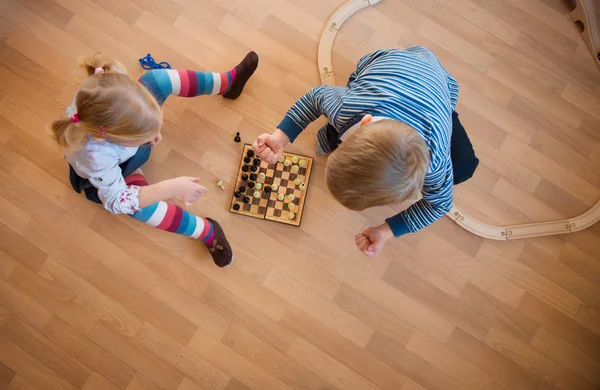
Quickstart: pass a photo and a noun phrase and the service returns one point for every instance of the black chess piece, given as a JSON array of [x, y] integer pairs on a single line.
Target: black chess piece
[[254, 168], [246, 168], [253, 176], [242, 189], [246, 199], [247, 160], [250, 153], [237, 137], [244, 177], [237, 194], [256, 161], [236, 207], [251, 184], [267, 189]]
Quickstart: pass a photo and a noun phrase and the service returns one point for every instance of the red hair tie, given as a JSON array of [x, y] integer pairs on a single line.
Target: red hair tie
[[75, 118], [102, 131]]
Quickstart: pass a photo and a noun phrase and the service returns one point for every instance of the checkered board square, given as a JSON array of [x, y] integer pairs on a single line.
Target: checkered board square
[[268, 206]]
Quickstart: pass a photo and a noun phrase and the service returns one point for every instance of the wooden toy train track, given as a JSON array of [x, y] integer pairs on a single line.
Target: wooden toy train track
[[586, 15]]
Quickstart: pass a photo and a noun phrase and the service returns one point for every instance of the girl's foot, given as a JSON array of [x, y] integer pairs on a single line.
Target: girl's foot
[[244, 70], [219, 248]]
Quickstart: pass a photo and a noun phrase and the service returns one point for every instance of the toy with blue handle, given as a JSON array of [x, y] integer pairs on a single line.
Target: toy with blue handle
[[149, 63]]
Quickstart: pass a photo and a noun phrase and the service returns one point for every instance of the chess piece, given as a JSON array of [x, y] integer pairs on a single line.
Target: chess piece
[[237, 137], [236, 207]]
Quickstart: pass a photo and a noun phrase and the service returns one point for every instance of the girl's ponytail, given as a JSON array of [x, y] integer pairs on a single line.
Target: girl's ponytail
[[67, 135], [59, 130], [91, 63]]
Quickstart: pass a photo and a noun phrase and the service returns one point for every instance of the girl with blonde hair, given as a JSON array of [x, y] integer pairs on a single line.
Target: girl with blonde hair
[[108, 133]]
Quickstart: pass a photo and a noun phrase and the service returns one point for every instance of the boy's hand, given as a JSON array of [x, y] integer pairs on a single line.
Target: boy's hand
[[371, 241], [269, 147]]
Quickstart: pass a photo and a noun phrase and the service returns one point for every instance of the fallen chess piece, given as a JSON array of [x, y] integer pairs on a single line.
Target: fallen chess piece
[[219, 184]]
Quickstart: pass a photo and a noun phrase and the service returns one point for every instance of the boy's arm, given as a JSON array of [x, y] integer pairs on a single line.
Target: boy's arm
[[437, 201], [321, 100]]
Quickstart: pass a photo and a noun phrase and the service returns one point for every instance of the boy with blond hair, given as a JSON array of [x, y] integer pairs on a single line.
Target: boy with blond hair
[[393, 136]]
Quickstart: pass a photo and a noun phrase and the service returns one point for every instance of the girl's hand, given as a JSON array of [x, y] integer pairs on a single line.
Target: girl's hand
[[186, 189], [269, 147], [371, 241], [156, 140]]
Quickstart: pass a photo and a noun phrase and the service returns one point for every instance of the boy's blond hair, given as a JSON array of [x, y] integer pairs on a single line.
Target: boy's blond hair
[[383, 162], [109, 105]]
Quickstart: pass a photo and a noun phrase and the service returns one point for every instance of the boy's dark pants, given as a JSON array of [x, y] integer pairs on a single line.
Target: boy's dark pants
[[464, 161]]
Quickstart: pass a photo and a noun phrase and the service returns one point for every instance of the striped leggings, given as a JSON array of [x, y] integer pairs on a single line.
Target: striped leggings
[[170, 217], [186, 83]]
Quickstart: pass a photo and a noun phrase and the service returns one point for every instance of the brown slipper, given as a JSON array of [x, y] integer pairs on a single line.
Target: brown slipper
[[219, 249], [245, 70]]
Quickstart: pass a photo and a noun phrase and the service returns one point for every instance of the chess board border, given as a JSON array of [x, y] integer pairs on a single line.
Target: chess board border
[[300, 207]]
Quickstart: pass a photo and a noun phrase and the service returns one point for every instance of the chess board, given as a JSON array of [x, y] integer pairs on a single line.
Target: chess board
[[267, 206]]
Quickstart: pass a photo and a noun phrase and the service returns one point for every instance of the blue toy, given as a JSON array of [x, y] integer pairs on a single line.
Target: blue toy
[[149, 63]]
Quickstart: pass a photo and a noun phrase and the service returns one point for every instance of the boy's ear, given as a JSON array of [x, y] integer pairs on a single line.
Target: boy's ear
[[366, 119]]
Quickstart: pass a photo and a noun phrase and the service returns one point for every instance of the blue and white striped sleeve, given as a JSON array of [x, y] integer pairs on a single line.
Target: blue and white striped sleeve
[[437, 201], [454, 90], [321, 100]]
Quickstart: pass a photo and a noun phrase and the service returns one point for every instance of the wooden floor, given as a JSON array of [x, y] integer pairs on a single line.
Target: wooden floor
[[89, 300]]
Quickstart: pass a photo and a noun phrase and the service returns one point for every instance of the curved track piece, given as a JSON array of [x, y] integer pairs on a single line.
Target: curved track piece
[[462, 219], [587, 14]]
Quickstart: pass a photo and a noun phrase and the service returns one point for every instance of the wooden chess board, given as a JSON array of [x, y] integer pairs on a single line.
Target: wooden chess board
[[267, 206]]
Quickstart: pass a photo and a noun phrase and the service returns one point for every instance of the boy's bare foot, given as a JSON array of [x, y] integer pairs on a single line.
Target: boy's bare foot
[[219, 248], [245, 70]]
